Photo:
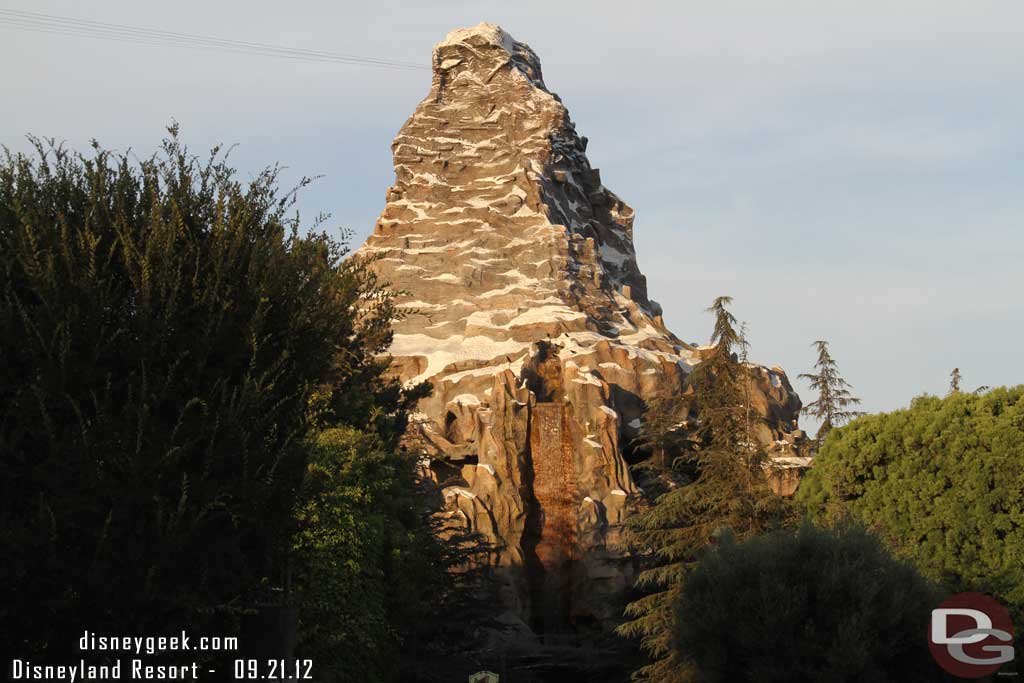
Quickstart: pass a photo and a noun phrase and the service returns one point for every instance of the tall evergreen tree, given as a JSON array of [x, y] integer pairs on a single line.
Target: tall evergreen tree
[[718, 381], [954, 381], [834, 402], [724, 487], [744, 352]]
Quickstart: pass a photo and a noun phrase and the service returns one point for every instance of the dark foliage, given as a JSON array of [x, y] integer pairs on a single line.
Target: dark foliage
[[812, 605], [162, 329]]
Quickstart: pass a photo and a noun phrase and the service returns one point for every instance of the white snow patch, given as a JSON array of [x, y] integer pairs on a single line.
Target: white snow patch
[[532, 285], [443, 352], [545, 314], [791, 461], [420, 304], [465, 493], [445, 277], [515, 366]]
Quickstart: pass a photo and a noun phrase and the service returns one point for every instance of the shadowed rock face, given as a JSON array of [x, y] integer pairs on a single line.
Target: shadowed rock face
[[530, 317]]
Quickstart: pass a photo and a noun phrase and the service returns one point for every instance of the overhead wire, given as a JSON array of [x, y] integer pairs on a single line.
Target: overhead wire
[[59, 25]]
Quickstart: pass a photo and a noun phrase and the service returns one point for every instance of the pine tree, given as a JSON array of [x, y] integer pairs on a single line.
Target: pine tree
[[744, 346], [954, 381], [719, 382], [834, 399], [728, 491]]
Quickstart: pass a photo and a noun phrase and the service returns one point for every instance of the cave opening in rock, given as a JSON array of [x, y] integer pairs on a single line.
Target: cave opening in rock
[[543, 373], [450, 431]]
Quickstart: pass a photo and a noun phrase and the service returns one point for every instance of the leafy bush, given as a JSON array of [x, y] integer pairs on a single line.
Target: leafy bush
[[364, 558], [811, 605], [162, 329], [942, 482]]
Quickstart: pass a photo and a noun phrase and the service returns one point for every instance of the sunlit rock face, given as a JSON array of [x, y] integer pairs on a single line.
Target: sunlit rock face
[[530, 317]]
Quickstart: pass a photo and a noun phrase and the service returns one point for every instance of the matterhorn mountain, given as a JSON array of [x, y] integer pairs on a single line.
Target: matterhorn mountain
[[529, 315]]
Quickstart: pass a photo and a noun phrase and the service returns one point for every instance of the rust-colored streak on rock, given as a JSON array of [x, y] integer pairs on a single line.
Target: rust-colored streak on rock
[[554, 488], [554, 491]]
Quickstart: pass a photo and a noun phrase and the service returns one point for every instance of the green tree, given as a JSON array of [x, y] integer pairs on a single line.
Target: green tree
[[744, 354], [811, 605], [663, 430], [367, 564], [718, 383], [834, 402], [955, 378], [720, 486], [941, 482], [339, 551], [162, 329]]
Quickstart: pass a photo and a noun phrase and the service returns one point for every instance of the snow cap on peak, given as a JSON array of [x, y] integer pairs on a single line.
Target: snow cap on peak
[[484, 49], [483, 33]]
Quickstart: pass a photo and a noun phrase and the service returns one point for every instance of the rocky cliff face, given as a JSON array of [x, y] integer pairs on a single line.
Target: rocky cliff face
[[530, 317]]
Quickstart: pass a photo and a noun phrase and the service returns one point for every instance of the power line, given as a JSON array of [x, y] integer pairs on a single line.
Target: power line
[[69, 26], [47, 23]]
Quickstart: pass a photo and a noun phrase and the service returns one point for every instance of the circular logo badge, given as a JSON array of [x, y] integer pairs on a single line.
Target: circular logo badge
[[970, 635]]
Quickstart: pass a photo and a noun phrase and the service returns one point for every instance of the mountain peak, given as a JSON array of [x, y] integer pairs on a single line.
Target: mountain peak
[[530, 317], [483, 50], [483, 33]]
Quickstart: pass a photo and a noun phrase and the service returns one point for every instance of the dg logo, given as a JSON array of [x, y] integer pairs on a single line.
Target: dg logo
[[970, 635]]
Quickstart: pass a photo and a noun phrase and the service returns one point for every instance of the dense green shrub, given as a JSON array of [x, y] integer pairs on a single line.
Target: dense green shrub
[[365, 563], [942, 482], [811, 605], [162, 329]]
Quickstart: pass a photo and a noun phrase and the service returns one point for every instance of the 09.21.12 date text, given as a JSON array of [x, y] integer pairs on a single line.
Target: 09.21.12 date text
[[273, 669]]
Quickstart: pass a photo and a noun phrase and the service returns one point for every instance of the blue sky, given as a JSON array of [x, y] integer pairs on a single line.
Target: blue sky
[[852, 171]]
